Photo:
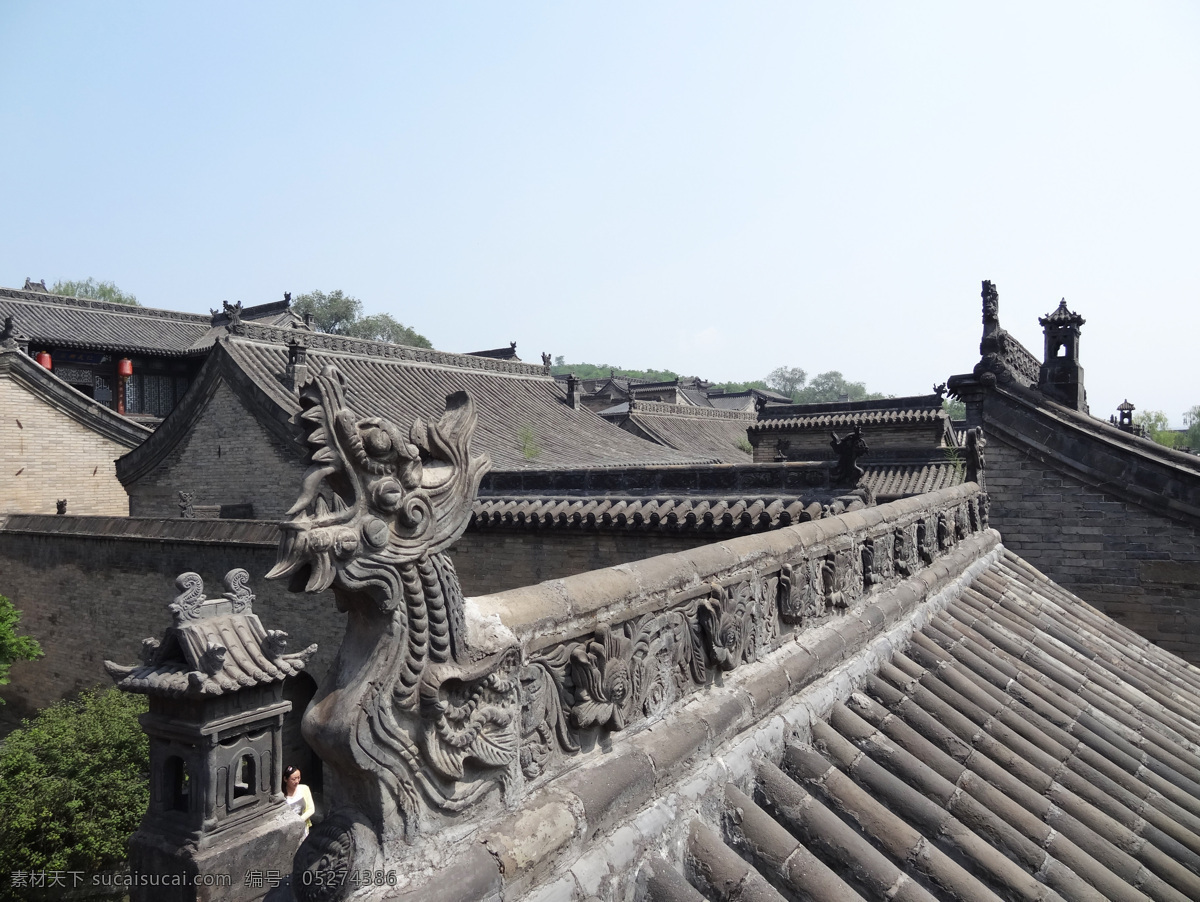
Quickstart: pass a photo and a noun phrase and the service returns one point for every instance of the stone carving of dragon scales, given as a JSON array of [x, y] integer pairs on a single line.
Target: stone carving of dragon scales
[[408, 724]]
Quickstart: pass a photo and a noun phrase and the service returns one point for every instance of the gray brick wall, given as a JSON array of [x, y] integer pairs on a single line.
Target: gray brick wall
[[226, 458], [86, 599], [1140, 568], [46, 455]]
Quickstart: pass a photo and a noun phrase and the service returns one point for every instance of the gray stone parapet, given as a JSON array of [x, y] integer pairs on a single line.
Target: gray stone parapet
[[625, 792]]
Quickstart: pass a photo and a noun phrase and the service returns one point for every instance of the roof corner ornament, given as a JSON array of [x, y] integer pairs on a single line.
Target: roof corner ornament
[[40, 287], [234, 314], [546, 363], [11, 339], [849, 449], [996, 347], [414, 725], [940, 391]]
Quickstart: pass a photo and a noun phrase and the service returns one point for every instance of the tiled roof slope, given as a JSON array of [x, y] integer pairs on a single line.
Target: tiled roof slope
[[524, 421], [697, 430], [84, 323], [889, 481], [1024, 746]]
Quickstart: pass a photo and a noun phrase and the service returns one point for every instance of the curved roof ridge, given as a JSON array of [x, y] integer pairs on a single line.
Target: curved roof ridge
[[66, 300]]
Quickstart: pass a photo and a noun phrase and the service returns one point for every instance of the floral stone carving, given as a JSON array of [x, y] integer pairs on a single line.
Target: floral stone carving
[[408, 723]]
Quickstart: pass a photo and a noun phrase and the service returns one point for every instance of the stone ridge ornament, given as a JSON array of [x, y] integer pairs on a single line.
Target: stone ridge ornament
[[848, 448], [409, 724]]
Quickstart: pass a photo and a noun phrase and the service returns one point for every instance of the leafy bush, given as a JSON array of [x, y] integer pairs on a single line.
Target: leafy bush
[[13, 647], [73, 785]]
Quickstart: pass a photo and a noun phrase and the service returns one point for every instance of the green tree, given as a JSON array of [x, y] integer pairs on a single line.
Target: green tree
[[832, 386], [955, 409], [1191, 420], [73, 785], [735, 387], [1157, 427], [339, 314], [13, 647], [787, 380], [90, 288]]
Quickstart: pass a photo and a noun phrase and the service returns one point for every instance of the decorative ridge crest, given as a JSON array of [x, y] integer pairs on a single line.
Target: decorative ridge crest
[[93, 304], [686, 411], [1002, 357]]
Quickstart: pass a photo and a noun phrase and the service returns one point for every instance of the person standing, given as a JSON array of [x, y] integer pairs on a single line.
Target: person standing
[[298, 797]]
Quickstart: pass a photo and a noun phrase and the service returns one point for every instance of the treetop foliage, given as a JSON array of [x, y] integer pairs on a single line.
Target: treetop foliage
[[603, 370], [13, 647], [90, 288], [339, 314], [73, 785], [1158, 428]]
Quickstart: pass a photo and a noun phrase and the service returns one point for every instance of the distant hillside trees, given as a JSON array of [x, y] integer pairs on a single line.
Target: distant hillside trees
[[339, 314], [90, 288], [787, 380]]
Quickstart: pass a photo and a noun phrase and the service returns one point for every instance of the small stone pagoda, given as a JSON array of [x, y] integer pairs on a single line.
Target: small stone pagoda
[[215, 683], [1061, 376]]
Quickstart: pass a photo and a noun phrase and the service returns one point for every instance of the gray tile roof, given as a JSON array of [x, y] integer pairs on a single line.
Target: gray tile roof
[[910, 410], [698, 430], [83, 323], [1024, 746], [889, 481], [524, 421]]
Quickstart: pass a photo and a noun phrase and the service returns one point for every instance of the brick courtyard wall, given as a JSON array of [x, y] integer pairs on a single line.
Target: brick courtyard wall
[[498, 560], [46, 455], [227, 457], [94, 588]]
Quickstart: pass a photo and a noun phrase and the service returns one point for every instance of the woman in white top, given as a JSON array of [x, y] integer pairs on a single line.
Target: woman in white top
[[298, 797]]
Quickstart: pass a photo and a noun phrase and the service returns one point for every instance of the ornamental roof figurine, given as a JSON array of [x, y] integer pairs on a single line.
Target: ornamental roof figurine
[[1062, 317], [215, 646]]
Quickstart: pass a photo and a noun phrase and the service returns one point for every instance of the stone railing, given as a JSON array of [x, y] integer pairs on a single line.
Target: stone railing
[[613, 649]]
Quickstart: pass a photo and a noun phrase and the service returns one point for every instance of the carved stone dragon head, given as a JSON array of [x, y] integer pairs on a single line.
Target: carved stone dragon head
[[374, 498]]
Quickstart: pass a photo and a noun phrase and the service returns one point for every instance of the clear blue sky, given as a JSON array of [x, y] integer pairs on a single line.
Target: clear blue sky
[[717, 189]]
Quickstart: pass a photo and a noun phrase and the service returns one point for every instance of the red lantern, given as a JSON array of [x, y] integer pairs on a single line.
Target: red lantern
[[43, 358], [124, 367]]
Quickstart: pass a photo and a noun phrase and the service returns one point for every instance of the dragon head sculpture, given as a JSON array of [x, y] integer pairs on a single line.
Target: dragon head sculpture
[[374, 498]]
